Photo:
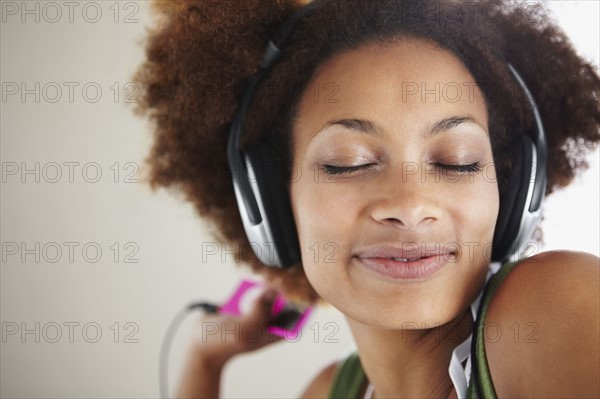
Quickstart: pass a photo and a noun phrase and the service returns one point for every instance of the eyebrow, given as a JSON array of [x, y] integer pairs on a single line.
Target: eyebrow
[[359, 125], [449, 123], [372, 128]]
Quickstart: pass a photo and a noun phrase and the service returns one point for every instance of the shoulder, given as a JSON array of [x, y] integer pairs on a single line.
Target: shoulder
[[320, 386], [542, 328]]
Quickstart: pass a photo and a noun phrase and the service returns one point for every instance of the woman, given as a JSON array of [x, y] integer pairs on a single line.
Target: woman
[[393, 126]]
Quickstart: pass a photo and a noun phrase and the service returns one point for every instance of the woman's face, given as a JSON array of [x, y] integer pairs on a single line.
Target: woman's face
[[392, 231]]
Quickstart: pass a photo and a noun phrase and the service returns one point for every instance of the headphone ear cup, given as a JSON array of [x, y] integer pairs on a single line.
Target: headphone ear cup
[[513, 201], [276, 211]]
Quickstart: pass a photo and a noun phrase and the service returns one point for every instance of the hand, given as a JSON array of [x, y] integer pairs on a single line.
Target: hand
[[220, 337]]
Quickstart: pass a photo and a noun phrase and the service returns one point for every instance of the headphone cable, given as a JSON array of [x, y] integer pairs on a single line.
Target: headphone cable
[[165, 348]]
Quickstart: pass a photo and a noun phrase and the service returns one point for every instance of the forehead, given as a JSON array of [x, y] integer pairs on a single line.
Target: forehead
[[395, 84]]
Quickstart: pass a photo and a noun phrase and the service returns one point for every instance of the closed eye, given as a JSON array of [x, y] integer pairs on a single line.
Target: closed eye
[[459, 168], [456, 168], [340, 170]]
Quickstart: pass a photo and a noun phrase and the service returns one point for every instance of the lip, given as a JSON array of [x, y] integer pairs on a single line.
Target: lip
[[402, 263]]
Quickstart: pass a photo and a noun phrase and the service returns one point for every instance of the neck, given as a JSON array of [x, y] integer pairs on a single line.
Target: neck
[[410, 363]]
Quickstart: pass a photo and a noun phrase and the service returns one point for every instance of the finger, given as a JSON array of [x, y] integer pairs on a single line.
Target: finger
[[262, 307]]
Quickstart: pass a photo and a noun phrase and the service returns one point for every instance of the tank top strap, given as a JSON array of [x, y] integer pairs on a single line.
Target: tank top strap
[[481, 385], [349, 379]]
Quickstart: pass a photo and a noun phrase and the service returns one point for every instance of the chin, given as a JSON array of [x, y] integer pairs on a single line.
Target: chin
[[396, 302], [413, 317]]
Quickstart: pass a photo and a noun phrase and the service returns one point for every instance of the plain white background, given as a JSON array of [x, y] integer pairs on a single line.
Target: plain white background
[[87, 146]]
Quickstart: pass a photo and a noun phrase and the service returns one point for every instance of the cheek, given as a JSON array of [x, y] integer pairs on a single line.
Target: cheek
[[475, 210], [324, 221], [488, 204], [323, 209]]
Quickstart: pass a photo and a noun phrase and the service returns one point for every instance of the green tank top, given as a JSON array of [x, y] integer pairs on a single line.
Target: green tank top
[[350, 378]]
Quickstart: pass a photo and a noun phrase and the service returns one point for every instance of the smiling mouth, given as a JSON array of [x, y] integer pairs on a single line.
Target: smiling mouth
[[405, 268], [404, 259]]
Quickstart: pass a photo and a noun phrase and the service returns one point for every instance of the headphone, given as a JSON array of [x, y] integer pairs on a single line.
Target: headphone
[[264, 202]]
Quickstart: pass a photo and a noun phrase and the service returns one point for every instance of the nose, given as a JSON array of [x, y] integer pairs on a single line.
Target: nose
[[406, 205]]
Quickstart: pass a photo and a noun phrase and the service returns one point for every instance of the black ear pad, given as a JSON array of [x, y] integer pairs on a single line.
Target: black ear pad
[[276, 206], [513, 199]]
